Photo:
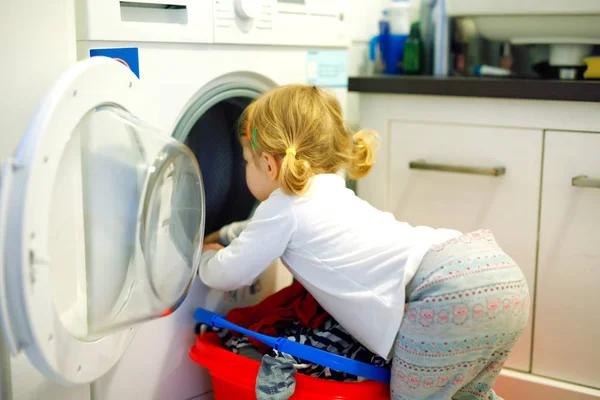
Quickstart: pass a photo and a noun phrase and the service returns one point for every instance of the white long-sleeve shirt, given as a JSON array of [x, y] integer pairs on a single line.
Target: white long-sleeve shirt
[[353, 258]]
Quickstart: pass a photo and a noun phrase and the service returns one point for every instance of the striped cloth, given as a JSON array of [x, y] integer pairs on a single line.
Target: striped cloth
[[330, 337]]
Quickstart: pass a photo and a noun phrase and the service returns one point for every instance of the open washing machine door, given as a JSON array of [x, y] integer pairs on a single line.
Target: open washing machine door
[[100, 219]]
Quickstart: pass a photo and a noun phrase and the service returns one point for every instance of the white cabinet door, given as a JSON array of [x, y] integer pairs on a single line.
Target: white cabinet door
[[567, 327], [506, 204]]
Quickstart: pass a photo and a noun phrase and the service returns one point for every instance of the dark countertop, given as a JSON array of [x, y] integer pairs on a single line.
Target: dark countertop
[[527, 89]]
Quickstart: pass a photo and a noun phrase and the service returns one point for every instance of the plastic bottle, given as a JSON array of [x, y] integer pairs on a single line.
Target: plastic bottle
[[413, 51], [427, 34], [441, 47], [398, 13]]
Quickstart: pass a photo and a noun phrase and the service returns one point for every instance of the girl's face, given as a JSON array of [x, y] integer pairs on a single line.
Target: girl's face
[[262, 173]]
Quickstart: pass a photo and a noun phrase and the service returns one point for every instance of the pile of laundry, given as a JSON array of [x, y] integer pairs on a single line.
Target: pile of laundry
[[294, 314]]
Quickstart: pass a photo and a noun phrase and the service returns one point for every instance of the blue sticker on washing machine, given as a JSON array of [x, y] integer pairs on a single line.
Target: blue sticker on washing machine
[[128, 56], [327, 68]]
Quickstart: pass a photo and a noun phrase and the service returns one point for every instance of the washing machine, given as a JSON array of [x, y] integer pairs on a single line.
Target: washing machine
[[130, 157]]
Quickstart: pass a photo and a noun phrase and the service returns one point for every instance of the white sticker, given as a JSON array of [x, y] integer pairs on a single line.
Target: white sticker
[[327, 68]]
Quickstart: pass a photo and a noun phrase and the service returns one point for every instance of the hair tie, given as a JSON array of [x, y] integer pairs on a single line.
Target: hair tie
[[291, 151]]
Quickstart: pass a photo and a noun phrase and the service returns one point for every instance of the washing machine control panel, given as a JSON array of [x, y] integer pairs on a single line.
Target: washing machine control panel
[[281, 22]]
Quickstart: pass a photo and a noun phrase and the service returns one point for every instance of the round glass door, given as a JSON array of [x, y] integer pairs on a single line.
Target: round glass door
[[127, 214]]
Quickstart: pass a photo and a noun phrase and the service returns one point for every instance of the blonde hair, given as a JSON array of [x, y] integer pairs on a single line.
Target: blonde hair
[[304, 126]]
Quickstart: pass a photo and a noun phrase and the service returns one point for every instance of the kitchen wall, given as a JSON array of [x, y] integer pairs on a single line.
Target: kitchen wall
[[37, 43], [33, 33], [363, 18]]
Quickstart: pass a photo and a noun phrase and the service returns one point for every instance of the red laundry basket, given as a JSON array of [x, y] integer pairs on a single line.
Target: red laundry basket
[[234, 377]]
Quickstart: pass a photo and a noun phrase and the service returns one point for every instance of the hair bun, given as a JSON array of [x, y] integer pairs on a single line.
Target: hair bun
[[365, 144], [371, 138], [295, 174]]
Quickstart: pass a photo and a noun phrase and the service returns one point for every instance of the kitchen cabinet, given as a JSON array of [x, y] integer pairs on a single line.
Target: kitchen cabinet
[[507, 165], [567, 316], [468, 178]]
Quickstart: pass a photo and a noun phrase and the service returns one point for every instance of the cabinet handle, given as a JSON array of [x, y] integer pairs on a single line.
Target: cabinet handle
[[583, 181], [459, 169]]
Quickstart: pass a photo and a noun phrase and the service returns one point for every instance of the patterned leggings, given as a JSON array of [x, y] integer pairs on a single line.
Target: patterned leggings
[[467, 306]]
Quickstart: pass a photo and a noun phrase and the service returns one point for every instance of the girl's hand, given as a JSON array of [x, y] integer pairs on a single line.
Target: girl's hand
[[212, 238], [211, 246]]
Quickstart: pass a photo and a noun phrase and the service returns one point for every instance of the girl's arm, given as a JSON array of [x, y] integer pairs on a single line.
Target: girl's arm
[[262, 241], [232, 231], [211, 238], [227, 233]]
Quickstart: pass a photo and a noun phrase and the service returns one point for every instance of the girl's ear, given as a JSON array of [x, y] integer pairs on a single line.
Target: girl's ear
[[272, 166]]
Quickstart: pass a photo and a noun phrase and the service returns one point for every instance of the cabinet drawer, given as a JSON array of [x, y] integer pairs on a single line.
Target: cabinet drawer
[[567, 327], [471, 197]]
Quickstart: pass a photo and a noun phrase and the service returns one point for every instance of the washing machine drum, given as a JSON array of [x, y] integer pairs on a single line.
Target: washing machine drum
[[214, 141]]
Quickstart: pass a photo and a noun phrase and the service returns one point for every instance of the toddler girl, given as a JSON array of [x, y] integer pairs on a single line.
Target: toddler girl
[[448, 307]]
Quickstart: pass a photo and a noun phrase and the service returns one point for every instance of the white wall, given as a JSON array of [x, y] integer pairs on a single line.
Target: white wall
[[37, 43], [363, 20], [364, 16]]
